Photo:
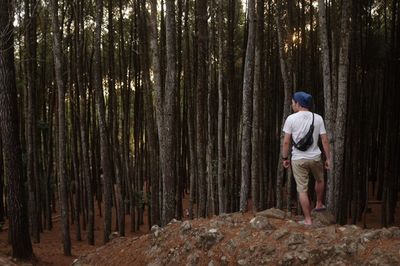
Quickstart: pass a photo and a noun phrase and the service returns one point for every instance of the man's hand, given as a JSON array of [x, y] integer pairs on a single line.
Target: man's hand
[[286, 163], [328, 164]]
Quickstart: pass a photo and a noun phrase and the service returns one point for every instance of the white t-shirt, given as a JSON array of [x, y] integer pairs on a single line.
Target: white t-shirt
[[297, 125]]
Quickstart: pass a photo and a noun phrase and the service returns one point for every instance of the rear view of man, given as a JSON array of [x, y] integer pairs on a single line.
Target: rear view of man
[[306, 155]]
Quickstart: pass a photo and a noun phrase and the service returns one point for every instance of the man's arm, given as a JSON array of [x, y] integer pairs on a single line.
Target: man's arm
[[285, 150], [325, 145]]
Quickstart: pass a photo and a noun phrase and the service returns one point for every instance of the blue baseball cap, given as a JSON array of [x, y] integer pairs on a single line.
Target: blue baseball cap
[[303, 98]]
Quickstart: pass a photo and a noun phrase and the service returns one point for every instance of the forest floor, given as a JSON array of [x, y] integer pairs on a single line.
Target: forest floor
[[49, 250]]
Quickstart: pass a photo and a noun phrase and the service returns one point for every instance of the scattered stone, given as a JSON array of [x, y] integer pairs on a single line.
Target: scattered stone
[[224, 215], [155, 263], [280, 233], [352, 246], [384, 259], [241, 262], [325, 217], [244, 233], [371, 235], [325, 235], [212, 263], [260, 223], [303, 257], [156, 230], [340, 250], [193, 259], [295, 239], [185, 227], [287, 259], [187, 247], [395, 231], [224, 261], [265, 250], [209, 238], [231, 246], [291, 223], [244, 254], [113, 235], [220, 223], [273, 213], [174, 221], [386, 233], [350, 228], [316, 256]]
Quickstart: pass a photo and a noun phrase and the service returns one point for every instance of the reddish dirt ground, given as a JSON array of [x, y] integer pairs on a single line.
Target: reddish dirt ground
[[49, 250]]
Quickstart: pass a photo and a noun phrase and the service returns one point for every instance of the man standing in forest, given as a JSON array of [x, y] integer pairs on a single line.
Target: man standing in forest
[[304, 128]]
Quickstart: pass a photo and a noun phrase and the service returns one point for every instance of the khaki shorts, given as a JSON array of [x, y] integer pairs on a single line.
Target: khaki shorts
[[301, 170]]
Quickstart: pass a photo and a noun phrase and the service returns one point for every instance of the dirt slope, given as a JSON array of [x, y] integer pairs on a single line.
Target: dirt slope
[[270, 237]]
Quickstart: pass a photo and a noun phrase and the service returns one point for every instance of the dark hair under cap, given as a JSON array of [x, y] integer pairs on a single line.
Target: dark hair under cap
[[303, 98]]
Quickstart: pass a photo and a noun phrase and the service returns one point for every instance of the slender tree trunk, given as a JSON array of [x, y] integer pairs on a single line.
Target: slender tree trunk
[[327, 81], [74, 110], [286, 70], [256, 137], [9, 124], [230, 106], [212, 105], [165, 106], [104, 144], [113, 123], [340, 124], [2, 214], [181, 156], [83, 122], [63, 186], [151, 135], [221, 117], [126, 107], [248, 81], [201, 89], [190, 119], [167, 147], [30, 131]]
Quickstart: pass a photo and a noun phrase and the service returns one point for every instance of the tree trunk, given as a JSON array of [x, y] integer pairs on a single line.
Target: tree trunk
[[256, 137], [286, 70], [30, 120], [340, 124], [2, 214], [165, 107], [9, 121], [113, 123], [104, 144], [329, 108], [230, 134], [212, 105], [221, 117], [201, 89], [151, 135], [167, 148], [63, 186], [83, 121], [248, 80], [74, 111]]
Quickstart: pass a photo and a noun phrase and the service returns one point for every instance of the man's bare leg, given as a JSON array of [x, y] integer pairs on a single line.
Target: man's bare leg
[[305, 205], [319, 190]]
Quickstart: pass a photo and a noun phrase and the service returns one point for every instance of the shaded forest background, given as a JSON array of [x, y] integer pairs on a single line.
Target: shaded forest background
[[130, 104]]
